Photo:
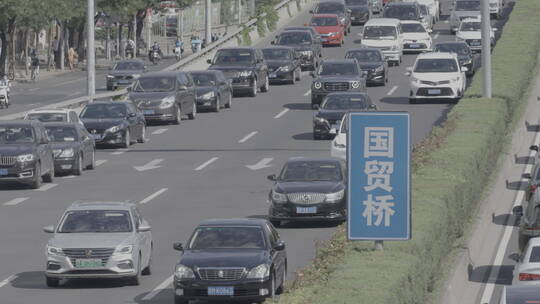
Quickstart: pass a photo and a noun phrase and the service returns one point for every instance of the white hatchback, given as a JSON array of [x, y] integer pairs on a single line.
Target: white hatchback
[[436, 76], [415, 37], [53, 115], [470, 31], [527, 270]]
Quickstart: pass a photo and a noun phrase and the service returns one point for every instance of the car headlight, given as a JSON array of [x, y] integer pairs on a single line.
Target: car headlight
[[67, 153], [468, 62], [379, 69], [317, 85], [245, 73], [336, 196], [113, 129], [394, 47], [260, 272], [415, 80], [110, 77], [333, 33], [51, 250], [338, 145], [454, 79], [208, 95], [125, 249], [25, 158], [183, 272], [355, 84], [166, 102], [285, 68], [278, 197]]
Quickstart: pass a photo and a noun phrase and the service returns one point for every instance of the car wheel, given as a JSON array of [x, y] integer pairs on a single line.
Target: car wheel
[[180, 300], [142, 140], [36, 181], [92, 164], [254, 88], [266, 85], [51, 282], [127, 140], [229, 102], [148, 270], [178, 117], [79, 166], [193, 113], [136, 280], [49, 177], [217, 106]]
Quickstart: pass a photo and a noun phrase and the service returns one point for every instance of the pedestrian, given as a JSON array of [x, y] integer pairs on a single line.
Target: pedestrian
[[72, 55]]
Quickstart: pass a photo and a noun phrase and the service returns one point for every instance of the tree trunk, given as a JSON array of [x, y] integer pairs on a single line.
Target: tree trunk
[[26, 38], [120, 37], [81, 51], [49, 47], [108, 42], [3, 54], [141, 15]]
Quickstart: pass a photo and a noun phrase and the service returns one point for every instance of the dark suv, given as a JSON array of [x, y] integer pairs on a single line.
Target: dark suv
[[403, 11], [245, 66], [337, 75], [25, 153], [360, 11], [304, 45], [165, 96]]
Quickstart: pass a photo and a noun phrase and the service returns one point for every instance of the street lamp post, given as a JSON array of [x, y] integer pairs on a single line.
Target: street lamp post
[[486, 49], [90, 51]]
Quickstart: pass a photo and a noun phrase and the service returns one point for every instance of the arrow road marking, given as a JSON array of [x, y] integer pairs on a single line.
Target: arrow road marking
[[158, 289], [149, 166], [247, 137], [153, 196], [159, 131], [15, 201], [281, 113], [8, 280], [263, 163], [208, 162]]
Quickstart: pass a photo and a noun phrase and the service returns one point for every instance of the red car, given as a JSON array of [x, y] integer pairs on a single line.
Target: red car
[[329, 27]]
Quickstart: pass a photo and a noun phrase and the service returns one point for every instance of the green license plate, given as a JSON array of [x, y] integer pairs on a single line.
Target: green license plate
[[88, 263]]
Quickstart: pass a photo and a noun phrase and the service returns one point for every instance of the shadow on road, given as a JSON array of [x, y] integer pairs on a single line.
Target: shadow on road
[[481, 274], [505, 220], [515, 185], [36, 280], [298, 106]]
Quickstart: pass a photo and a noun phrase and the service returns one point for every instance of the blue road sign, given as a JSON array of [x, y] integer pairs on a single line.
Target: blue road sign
[[378, 156]]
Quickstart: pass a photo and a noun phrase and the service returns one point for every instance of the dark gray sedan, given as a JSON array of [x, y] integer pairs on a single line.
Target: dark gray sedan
[[283, 64], [213, 90], [371, 60], [304, 45], [124, 73]]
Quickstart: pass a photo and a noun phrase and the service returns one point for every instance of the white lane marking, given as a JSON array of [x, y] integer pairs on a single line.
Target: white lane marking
[[247, 137], [100, 162], [46, 187], [158, 289], [153, 164], [206, 163], [6, 281], [436, 36], [281, 113], [392, 90], [119, 152], [503, 244], [307, 93], [73, 94], [159, 131], [153, 196], [68, 177], [33, 89], [263, 163], [16, 201]]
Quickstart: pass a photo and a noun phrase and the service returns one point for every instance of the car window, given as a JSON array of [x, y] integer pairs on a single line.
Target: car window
[[62, 133], [204, 79], [344, 128], [16, 134], [535, 255], [470, 26], [438, 65], [293, 38], [457, 48], [324, 21], [402, 12], [413, 28], [154, 84], [227, 237], [277, 54], [47, 117], [271, 236], [307, 171], [189, 80], [96, 221], [345, 102], [338, 69], [356, 2], [330, 8], [380, 32], [104, 111], [365, 55], [467, 5], [182, 79], [73, 117], [235, 57]]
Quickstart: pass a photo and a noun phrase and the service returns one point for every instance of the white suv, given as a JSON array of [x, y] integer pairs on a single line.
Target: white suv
[[53, 115], [470, 31], [415, 37], [436, 76]]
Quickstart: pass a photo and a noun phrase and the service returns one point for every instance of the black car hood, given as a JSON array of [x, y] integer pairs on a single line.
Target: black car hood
[[338, 78], [16, 149], [204, 89], [369, 65], [331, 114], [138, 96], [65, 145], [278, 63], [126, 72], [319, 187], [299, 47], [231, 67], [102, 123], [358, 8], [248, 258]]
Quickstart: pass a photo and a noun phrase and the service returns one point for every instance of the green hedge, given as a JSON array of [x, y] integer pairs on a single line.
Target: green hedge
[[451, 168]]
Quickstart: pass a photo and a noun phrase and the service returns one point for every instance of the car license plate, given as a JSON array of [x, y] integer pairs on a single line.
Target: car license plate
[[306, 210], [3, 172], [414, 45], [272, 75], [148, 112], [88, 263], [96, 136], [324, 39], [334, 127], [220, 291], [475, 43], [434, 92]]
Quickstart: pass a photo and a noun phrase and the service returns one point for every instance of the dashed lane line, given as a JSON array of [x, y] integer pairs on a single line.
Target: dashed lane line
[[119, 152], [100, 162], [16, 201], [46, 187], [280, 114], [206, 163], [8, 280], [158, 289], [153, 195], [247, 137], [307, 93], [392, 90], [159, 131]]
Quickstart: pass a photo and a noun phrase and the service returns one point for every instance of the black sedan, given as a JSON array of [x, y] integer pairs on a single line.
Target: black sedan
[[231, 259], [114, 123], [334, 106], [213, 90], [465, 55], [283, 64], [372, 62], [73, 147], [360, 11], [305, 46], [124, 73], [308, 189]]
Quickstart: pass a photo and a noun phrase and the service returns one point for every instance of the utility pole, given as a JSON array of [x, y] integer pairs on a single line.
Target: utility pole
[[90, 51], [208, 21], [486, 49], [135, 35]]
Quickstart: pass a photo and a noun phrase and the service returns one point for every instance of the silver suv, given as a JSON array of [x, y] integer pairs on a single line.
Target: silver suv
[[99, 240]]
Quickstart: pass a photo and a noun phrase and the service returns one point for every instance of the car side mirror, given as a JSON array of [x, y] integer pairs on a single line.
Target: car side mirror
[[372, 107], [144, 228], [526, 176], [333, 131], [464, 69], [271, 177], [534, 148], [280, 246], [178, 247], [408, 71], [182, 88], [515, 257], [48, 229], [517, 211], [209, 61]]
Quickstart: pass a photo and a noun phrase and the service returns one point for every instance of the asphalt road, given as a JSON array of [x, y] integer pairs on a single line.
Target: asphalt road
[[201, 172]]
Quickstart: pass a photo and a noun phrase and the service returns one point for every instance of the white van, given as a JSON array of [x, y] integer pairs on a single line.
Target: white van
[[385, 34]]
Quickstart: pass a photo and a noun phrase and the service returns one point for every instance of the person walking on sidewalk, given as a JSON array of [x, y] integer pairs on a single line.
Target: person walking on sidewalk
[[72, 55]]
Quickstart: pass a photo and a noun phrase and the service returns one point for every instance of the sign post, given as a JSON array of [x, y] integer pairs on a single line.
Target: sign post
[[378, 159]]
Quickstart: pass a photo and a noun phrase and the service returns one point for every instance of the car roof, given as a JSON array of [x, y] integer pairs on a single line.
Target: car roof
[[50, 110], [60, 124], [401, 4], [348, 93], [299, 28], [522, 293], [471, 19], [335, 60], [296, 31], [109, 102], [237, 48], [278, 47], [19, 122], [383, 21], [410, 22], [130, 60], [326, 15], [450, 42], [100, 205], [205, 72], [435, 55], [233, 222], [535, 241]]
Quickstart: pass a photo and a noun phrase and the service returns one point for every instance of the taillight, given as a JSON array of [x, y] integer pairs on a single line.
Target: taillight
[[534, 187], [529, 277]]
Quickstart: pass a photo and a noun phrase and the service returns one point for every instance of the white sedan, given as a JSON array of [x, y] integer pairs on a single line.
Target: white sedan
[[470, 31], [415, 37]]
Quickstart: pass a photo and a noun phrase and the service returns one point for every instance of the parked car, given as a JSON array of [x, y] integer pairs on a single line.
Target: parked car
[[165, 96], [328, 26], [114, 123], [304, 45], [436, 76], [284, 64], [465, 56], [231, 259], [415, 37], [336, 75], [371, 60], [308, 189], [470, 32], [463, 9], [519, 294], [386, 35], [245, 66], [402, 11], [26, 156], [334, 106], [53, 115], [99, 240], [360, 11], [527, 269], [124, 73], [213, 90], [338, 8]]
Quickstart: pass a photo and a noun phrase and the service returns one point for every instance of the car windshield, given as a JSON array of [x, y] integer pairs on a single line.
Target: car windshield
[[308, 171], [324, 21], [104, 111], [124, 66], [227, 238], [535, 255], [436, 66], [48, 117], [16, 135], [460, 49], [413, 28], [402, 12], [365, 56], [301, 28], [380, 32], [424, 11], [338, 69], [234, 57], [344, 128], [288, 38], [356, 2], [345, 102], [276, 54], [467, 5], [154, 84], [61, 133], [330, 8], [204, 79], [470, 27], [96, 221]]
